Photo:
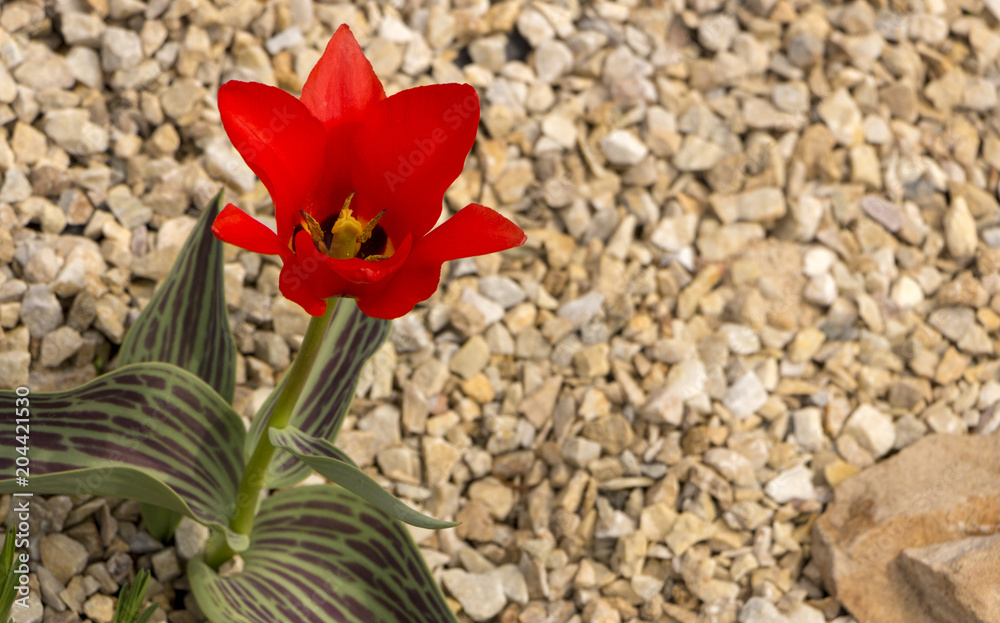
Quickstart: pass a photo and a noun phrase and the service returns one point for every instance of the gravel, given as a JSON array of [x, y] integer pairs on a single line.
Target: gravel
[[762, 257]]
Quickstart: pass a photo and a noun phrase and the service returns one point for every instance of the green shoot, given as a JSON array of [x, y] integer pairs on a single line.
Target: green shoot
[[7, 577], [130, 600]]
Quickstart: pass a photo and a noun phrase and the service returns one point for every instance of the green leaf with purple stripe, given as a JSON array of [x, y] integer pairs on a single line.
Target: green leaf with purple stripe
[[150, 432], [333, 464], [350, 340], [186, 323], [321, 554]]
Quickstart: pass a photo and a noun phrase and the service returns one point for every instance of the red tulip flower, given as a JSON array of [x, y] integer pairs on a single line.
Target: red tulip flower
[[357, 180]]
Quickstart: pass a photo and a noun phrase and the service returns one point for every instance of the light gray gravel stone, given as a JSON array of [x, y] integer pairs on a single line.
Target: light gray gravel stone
[[47, 72], [82, 28], [60, 345], [534, 27], [481, 595], [807, 424], [503, 290], [471, 357], [622, 148], [8, 87], [111, 312], [272, 349], [180, 101], [759, 610], [14, 365], [745, 396], [960, 232], [73, 130], [514, 585], [553, 59], [735, 467], [63, 556], [806, 614], [821, 290], [491, 311], [687, 530], [190, 538], [759, 205], [952, 322], [580, 452], [792, 484], [842, 116], [489, 52], [817, 261], [697, 154], [165, 565], [32, 614], [120, 49], [408, 334], [100, 608], [872, 428], [40, 311], [43, 266], [581, 310], [716, 32], [50, 587], [129, 210], [289, 38], [223, 162], [687, 379], [16, 186]]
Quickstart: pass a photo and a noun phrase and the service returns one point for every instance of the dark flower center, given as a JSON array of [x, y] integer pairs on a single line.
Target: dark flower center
[[342, 236]]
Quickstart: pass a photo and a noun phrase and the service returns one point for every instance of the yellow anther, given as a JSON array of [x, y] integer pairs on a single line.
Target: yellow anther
[[366, 233], [345, 237], [315, 231]]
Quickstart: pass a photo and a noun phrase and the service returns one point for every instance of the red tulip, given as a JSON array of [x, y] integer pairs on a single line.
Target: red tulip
[[357, 181]]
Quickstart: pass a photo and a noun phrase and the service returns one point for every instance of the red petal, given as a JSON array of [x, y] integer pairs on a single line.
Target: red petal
[[474, 230], [292, 290], [354, 277], [299, 275], [236, 227], [409, 149], [359, 273], [282, 143], [314, 269], [343, 84]]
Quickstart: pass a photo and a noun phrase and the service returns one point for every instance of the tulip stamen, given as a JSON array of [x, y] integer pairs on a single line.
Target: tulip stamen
[[346, 236], [315, 232], [366, 233]]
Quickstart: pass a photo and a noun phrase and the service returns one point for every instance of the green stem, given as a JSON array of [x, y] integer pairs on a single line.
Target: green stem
[[255, 474]]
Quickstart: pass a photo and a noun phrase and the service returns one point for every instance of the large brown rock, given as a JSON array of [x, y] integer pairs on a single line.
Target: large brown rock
[[903, 541], [965, 574]]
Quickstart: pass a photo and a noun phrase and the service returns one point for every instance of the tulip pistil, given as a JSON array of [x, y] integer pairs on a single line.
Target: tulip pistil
[[346, 236]]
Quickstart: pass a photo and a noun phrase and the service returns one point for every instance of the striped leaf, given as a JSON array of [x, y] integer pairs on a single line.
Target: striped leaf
[[320, 554], [350, 340], [322, 456], [150, 432], [186, 323]]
